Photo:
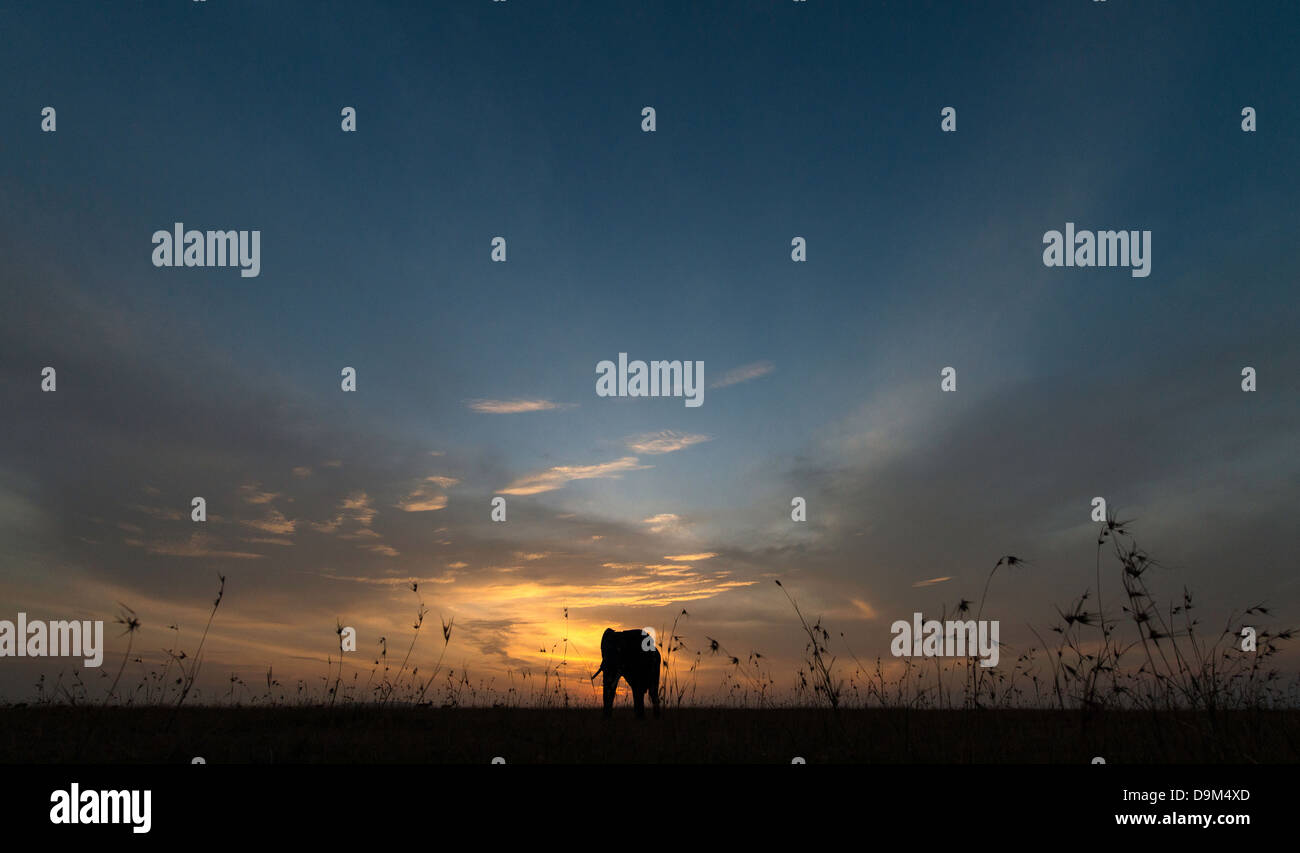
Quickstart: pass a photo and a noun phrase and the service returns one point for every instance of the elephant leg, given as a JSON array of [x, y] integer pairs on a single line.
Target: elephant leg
[[638, 701], [656, 665], [611, 687]]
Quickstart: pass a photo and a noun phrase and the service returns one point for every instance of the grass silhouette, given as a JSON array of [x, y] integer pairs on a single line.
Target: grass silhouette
[[1148, 682]]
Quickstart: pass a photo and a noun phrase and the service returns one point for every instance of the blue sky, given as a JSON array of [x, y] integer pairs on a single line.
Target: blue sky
[[522, 120]]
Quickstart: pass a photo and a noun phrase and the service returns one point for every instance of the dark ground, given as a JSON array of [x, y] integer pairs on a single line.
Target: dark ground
[[695, 735]]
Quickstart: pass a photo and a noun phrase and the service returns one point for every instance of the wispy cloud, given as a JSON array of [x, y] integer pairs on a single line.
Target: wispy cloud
[[327, 526], [158, 512], [388, 581], [273, 522], [426, 498], [933, 581], [662, 522], [691, 558], [422, 499], [358, 506], [361, 533], [863, 608], [514, 407], [664, 441], [555, 478], [624, 591], [198, 545], [744, 373], [355, 507], [252, 493], [269, 540]]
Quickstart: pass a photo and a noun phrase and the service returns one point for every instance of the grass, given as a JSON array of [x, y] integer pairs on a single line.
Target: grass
[[1144, 681]]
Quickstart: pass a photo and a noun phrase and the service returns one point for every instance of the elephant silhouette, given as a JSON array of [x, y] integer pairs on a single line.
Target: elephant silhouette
[[630, 655]]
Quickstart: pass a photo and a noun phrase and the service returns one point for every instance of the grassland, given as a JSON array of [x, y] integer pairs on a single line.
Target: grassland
[[1141, 680]]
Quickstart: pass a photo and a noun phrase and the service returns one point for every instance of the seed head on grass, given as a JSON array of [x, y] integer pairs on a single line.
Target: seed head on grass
[[1010, 561], [818, 664], [126, 617]]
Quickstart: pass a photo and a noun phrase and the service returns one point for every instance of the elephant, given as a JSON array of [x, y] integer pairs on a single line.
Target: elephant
[[631, 655]]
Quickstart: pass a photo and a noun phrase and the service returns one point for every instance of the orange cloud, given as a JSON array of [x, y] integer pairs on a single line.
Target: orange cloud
[[556, 478]]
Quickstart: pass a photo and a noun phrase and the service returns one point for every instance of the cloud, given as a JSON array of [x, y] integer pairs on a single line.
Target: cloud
[[386, 550], [933, 581], [514, 407], [665, 441], [519, 596], [555, 478], [355, 507], [422, 500], [744, 373], [198, 545], [388, 581], [273, 522], [158, 512], [690, 558], [358, 505], [302, 471], [662, 522], [252, 493], [361, 533], [867, 611], [426, 498], [678, 569]]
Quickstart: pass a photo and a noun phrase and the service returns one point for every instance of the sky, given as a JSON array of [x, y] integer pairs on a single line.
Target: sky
[[476, 379]]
